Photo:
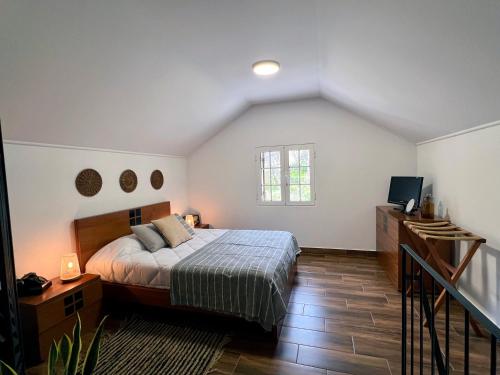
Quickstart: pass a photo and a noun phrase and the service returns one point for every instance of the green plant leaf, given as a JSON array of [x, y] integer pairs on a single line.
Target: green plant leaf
[[5, 369], [92, 355], [76, 348], [52, 360], [65, 345]]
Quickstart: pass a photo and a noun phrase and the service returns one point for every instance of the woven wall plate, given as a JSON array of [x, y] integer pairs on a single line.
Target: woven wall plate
[[157, 179], [128, 181], [88, 182]]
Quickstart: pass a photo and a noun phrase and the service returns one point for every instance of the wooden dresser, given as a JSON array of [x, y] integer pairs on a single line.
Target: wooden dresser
[[50, 315], [391, 233]]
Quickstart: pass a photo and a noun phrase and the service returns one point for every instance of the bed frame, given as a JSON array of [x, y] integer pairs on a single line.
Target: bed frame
[[92, 233]]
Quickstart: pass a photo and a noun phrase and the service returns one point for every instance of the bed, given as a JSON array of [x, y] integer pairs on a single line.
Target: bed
[[209, 273]]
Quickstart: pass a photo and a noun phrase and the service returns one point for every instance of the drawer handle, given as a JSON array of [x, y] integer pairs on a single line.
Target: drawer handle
[[73, 303]]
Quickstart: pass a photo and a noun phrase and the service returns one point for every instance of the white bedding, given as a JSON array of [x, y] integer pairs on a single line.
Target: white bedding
[[126, 260]]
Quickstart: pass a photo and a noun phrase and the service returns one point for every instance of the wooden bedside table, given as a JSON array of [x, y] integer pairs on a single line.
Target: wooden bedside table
[[48, 316], [202, 226]]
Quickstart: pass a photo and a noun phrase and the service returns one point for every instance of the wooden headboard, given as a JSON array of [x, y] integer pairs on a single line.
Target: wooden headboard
[[92, 233]]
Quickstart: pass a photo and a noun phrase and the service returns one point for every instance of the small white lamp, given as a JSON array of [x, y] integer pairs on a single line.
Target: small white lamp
[[70, 268], [190, 220]]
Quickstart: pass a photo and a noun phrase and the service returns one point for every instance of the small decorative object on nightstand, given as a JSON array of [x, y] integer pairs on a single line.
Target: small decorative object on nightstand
[[197, 219], [190, 220], [70, 268], [50, 315]]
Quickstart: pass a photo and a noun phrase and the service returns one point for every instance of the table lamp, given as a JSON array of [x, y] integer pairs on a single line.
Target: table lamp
[[190, 220], [70, 268]]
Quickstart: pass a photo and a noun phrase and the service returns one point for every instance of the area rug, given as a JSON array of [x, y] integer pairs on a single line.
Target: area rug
[[153, 347]]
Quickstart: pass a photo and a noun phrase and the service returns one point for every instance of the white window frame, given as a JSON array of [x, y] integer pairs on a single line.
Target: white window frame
[[258, 161], [312, 156], [285, 174]]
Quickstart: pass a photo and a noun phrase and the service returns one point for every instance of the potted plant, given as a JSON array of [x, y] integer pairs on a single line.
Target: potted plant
[[67, 352]]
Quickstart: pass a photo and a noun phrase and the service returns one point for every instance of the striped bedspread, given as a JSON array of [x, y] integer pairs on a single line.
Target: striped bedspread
[[242, 273]]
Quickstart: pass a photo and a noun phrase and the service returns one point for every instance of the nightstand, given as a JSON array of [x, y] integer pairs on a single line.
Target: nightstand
[[202, 226], [48, 316]]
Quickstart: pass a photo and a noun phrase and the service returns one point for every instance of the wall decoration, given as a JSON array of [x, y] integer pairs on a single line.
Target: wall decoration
[[128, 181], [88, 182], [157, 179]]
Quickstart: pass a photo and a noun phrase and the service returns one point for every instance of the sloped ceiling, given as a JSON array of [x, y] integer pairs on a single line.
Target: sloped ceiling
[[163, 76]]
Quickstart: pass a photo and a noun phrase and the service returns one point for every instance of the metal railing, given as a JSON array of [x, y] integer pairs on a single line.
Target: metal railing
[[440, 360]]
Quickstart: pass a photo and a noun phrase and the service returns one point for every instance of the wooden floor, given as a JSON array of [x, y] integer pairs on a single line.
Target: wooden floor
[[344, 318]]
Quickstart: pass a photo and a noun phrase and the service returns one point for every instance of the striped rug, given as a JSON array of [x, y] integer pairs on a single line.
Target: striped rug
[[154, 348]]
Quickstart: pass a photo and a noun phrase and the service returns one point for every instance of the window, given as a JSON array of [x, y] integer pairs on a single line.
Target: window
[[285, 175], [299, 173]]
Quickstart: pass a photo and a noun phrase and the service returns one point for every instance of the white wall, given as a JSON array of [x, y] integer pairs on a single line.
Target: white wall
[[355, 160], [44, 201], [465, 173]]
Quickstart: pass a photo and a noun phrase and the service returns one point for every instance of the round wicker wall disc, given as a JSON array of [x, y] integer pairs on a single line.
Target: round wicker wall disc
[[128, 181], [88, 182], [157, 179]]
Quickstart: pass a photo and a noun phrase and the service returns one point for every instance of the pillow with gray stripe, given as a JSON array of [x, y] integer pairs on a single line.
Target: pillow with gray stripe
[[149, 236], [185, 225]]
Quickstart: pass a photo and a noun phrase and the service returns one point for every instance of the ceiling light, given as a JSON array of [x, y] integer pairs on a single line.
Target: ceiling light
[[266, 67]]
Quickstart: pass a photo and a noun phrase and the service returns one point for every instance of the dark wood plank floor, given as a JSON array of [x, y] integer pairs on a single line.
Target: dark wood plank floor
[[343, 318]]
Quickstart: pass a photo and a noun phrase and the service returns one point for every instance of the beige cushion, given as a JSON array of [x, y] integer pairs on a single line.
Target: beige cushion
[[173, 231]]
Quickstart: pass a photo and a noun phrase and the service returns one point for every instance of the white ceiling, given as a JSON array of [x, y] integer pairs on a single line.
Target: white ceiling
[[163, 76]]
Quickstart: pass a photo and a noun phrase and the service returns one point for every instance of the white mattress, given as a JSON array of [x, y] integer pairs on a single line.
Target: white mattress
[[126, 260]]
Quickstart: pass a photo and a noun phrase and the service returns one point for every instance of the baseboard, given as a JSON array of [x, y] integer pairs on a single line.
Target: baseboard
[[321, 250]]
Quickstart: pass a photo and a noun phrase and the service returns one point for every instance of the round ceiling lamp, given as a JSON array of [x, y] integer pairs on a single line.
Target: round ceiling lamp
[[266, 67]]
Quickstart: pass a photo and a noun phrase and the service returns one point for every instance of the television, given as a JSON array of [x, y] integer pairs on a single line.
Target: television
[[403, 189]]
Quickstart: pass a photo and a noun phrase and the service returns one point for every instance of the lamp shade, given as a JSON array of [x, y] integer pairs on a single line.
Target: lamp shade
[[190, 220], [70, 268]]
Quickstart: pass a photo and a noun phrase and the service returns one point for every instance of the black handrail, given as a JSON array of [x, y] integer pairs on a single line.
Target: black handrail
[[482, 319], [470, 310]]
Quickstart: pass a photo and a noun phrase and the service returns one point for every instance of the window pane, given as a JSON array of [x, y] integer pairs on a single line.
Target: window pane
[[294, 176], [293, 158], [305, 175], [276, 193], [267, 176], [294, 193], [304, 158], [267, 193], [266, 157], [305, 193], [275, 159], [276, 176]]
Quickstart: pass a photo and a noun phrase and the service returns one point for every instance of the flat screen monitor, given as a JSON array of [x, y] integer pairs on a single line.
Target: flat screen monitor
[[403, 189]]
